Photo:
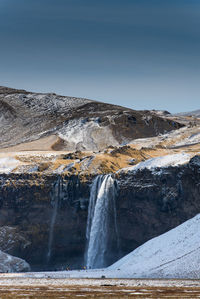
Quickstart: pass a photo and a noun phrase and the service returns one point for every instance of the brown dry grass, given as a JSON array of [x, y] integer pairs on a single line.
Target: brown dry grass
[[102, 291]]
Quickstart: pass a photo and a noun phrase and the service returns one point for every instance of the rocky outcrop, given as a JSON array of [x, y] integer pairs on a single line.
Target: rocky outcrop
[[149, 203], [12, 240], [9, 263]]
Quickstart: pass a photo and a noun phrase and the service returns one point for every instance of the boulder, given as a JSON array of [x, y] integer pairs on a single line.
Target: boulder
[[9, 264]]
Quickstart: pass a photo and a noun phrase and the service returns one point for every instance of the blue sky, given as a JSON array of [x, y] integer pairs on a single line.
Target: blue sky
[[143, 54]]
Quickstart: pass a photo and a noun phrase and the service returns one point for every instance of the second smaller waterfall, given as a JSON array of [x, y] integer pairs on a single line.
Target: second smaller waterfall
[[56, 195], [101, 223]]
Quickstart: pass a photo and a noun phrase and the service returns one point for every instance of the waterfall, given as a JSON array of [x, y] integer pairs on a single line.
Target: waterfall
[[101, 222], [56, 195]]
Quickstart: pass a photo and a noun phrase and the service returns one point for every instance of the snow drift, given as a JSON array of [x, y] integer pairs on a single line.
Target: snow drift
[[175, 254]]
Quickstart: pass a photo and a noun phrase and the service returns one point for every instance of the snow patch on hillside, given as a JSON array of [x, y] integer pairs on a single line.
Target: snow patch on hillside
[[83, 134], [159, 162], [8, 164], [193, 139]]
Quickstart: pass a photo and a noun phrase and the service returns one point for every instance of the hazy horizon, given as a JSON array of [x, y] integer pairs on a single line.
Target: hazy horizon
[[139, 54]]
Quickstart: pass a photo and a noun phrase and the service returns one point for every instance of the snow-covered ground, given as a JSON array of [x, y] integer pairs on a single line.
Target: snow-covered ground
[[191, 139], [175, 254], [16, 279], [158, 162]]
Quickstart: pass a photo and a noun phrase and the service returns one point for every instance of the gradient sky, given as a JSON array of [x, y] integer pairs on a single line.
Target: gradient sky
[[143, 54]]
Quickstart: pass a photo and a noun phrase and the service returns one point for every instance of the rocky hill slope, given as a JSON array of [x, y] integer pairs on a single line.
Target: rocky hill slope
[[75, 123]]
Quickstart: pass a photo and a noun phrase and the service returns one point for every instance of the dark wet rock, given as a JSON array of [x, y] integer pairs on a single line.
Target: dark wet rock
[[12, 240], [151, 203], [26, 205], [195, 161]]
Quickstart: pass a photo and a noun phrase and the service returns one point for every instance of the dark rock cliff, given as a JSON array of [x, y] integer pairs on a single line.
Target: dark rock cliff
[[148, 204], [26, 209]]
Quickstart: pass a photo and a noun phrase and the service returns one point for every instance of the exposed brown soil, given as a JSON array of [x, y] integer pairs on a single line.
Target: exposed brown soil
[[42, 144]]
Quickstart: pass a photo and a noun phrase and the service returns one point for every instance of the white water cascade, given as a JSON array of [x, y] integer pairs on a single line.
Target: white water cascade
[[101, 221], [56, 195]]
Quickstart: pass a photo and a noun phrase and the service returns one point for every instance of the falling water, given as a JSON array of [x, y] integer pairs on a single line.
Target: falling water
[[56, 195], [101, 218]]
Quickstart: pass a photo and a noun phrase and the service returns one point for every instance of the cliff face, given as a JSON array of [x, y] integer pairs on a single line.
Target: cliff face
[[148, 204], [27, 208]]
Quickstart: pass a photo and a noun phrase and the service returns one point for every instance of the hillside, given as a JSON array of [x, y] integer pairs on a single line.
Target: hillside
[[73, 123], [55, 134]]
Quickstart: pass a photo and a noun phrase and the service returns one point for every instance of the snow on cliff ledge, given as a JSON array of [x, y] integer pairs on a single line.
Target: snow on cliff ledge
[[8, 164], [159, 162]]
